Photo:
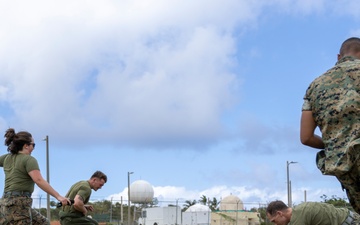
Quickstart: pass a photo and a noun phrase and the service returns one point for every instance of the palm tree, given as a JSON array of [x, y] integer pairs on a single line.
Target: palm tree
[[203, 200], [214, 204], [187, 204]]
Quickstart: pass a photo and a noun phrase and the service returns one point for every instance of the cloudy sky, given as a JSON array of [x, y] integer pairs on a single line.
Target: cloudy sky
[[195, 97]]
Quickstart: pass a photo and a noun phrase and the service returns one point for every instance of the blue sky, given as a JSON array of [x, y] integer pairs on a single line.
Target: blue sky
[[200, 98]]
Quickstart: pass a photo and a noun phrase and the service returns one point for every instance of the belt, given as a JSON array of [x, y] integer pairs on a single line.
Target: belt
[[16, 193], [349, 219]]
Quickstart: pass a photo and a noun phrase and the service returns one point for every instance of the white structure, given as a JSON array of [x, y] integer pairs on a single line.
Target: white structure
[[231, 213], [197, 215], [170, 215], [141, 192]]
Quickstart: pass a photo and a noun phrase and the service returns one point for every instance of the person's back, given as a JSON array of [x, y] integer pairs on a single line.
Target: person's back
[[334, 99], [311, 213], [332, 103], [81, 188]]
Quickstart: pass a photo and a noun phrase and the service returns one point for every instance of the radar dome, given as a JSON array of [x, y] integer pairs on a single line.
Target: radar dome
[[141, 192], [231, 202], [198, 208]]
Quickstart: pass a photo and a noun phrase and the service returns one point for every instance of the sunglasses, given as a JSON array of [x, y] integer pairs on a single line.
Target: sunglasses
[[33, 144]]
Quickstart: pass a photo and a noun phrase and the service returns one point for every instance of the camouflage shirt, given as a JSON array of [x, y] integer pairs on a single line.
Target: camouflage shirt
[[334, 99]]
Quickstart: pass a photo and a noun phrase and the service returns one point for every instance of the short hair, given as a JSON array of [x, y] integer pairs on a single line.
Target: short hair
[[350, 45], [100, 175], [16, 141], [275, 206]]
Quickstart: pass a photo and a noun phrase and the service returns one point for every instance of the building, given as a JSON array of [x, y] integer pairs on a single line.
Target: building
[[232, 212], [170, 215], [197, 215]]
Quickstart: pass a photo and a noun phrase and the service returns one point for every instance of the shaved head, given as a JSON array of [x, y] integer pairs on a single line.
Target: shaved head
[[350, 46]]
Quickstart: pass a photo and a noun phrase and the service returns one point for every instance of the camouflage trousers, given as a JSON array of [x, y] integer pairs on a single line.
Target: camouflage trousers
[[16, 210], [350, 182]]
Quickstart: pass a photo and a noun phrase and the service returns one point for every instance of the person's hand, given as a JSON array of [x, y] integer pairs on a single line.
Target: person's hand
[[64, 201], [89, 208]]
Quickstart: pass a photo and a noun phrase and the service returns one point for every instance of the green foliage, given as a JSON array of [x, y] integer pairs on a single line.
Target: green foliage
[[262, 212], [154, 202], [213, 204], [336, 201], [203, 200], [187, 204], [104, 211]]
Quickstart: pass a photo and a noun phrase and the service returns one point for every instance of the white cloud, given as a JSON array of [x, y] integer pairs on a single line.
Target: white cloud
[[136, 72]]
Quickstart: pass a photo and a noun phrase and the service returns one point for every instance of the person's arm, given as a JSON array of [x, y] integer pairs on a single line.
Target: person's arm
[[307, 131], [79, 204], [45, 186]]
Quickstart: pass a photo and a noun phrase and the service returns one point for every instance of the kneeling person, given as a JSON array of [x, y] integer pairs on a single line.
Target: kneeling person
[[81, 192]]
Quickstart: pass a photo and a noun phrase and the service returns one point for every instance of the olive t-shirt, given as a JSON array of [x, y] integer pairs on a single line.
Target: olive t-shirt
[[16, 169], [315, 213], [81, 188]]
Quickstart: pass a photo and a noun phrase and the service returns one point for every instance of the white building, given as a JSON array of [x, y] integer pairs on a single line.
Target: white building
[[231, 210], [170, 215], [197, 215]]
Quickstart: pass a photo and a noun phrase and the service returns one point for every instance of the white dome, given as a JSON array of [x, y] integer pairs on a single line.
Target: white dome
[[141, 192], [231, 202], [198, 208]]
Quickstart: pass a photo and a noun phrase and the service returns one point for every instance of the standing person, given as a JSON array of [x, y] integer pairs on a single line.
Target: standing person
[[81, 192], [21, 173], [332, 103], [310, 213]]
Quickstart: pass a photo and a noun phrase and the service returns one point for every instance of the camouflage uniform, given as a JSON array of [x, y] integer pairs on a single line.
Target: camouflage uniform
[[16, 210], [334, 99]]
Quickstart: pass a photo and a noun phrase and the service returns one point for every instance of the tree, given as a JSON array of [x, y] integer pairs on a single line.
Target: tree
[[203, 200], [336, 201], [154, 202], [214, 204], [187, 204], [262, 214]]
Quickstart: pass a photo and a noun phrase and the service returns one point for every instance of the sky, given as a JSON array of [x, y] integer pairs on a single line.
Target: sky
[[195, 97]]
